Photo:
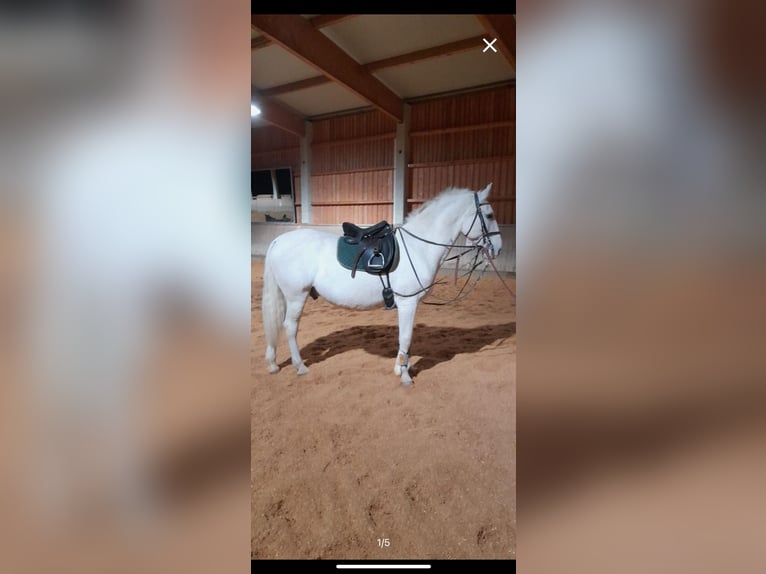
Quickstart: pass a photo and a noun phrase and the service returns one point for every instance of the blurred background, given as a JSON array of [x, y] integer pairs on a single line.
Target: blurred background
[[641, 286], [124, 286]]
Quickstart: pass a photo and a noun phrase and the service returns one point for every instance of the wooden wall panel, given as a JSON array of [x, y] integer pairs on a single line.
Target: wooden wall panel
[[361, 125], [266, 138], [361, 197], [352, 160], [472, 108], [467, 140], [276, 159], [463, 146], [342, 156], [271, 147], [360, 214], [429, 181]]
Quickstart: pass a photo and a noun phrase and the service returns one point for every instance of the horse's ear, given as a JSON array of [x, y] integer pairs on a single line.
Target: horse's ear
[[484, 193]]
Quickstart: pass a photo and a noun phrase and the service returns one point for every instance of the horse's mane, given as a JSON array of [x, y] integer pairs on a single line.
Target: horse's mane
[[444, 204]]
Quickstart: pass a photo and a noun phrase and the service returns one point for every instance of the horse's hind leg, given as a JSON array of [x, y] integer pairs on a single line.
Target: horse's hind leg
[[292, 318], [271, 359]]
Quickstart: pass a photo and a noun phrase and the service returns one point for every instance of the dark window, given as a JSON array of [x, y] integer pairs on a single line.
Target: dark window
[[266, 206], [285, 182], [260, 183]]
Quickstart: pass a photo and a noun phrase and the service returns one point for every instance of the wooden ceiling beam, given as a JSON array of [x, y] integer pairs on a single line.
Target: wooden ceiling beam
[[409, 58], [502, 27], [259, 42], [318, 22], [295, 86], [426, 54], [300, 38], [279, 115], [324, 20]]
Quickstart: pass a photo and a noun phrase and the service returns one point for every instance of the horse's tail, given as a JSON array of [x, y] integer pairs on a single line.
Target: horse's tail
[[272, 305]]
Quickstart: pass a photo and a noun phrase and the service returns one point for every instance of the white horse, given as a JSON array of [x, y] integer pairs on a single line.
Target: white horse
[[303, 262]]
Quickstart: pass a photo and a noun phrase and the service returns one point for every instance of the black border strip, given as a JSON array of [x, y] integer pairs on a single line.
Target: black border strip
[[506, 566]]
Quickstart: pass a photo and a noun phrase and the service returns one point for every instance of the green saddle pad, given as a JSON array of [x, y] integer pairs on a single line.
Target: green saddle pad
[[347, 253]]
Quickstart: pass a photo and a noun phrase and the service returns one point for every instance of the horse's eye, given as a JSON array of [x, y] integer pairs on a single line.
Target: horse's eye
[[490, 216]]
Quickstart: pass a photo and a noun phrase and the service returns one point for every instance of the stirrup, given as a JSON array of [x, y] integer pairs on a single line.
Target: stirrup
[[372, 265]]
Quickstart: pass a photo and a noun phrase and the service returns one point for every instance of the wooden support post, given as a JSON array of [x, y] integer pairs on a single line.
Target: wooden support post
[[307, 215], [401, 159]]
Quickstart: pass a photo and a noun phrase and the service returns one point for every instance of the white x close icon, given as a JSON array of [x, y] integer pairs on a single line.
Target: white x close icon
[[489, 45]]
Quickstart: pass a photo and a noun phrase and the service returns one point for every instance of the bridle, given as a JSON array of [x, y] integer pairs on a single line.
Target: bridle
[[479, 248], [485, 233]]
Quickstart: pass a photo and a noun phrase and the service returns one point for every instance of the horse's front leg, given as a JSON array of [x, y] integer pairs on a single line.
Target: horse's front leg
[[406, 322]]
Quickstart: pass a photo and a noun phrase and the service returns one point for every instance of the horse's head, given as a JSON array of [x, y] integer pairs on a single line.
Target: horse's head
[[479, 224]]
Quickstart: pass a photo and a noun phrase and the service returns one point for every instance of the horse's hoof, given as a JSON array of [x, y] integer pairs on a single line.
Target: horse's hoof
[[397, 369], [406, 380], [303, 369], [273, 369]]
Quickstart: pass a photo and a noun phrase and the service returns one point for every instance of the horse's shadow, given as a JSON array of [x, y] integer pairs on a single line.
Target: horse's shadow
[[383, 341]]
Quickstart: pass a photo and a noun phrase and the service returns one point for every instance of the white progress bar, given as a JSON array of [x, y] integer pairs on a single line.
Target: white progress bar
[[383, 566]]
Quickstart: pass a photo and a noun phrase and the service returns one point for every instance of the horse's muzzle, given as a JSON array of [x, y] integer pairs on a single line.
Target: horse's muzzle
[[489, 252]]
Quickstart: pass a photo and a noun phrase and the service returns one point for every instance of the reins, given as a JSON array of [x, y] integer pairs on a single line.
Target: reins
[[484, 250], [500, 277]]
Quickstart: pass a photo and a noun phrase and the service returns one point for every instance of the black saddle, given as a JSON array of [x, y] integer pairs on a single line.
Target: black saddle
[[354, 234], [371, 249]]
